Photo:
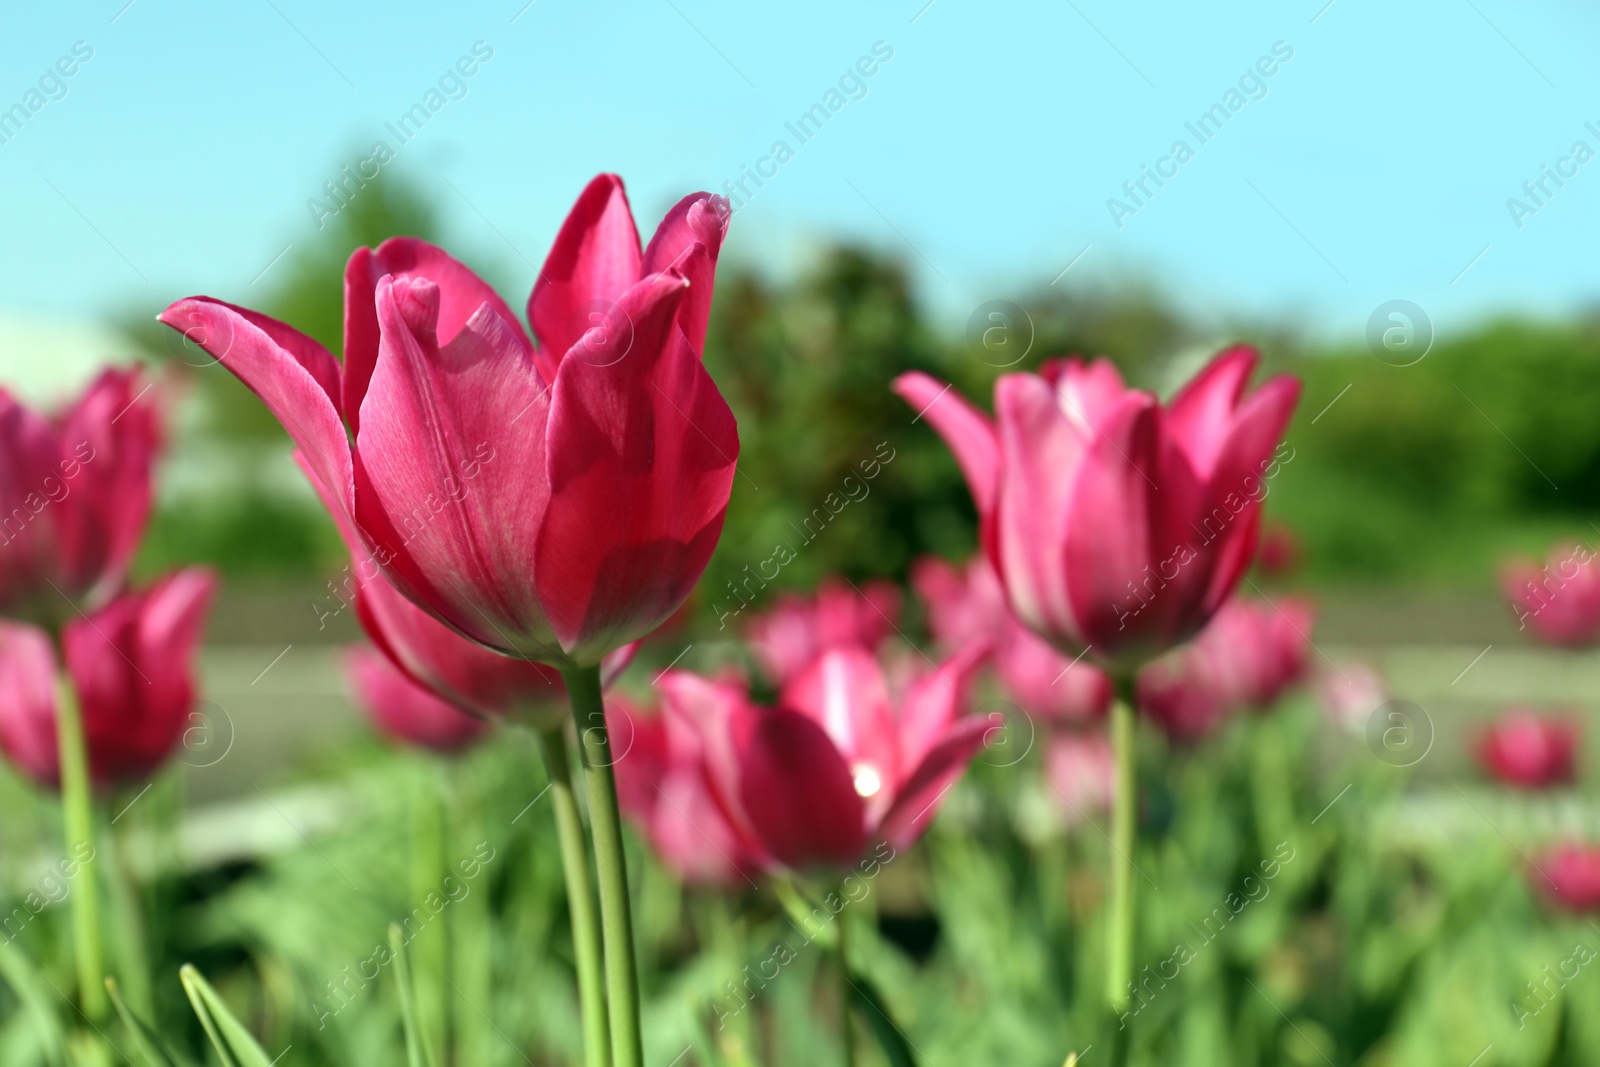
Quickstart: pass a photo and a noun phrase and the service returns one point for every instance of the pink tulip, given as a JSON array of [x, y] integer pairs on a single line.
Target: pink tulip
[[788, 637], [1280, 553], [1559, 602], [1569, 876], [1083, 774], [131, 666], [404, 710], [836, 768], [1182, 693], [1117, 524], [662, 787], [963, 605], [1349, 694], [1257, 649], [1529, 751], [74, 497], [554, 504]]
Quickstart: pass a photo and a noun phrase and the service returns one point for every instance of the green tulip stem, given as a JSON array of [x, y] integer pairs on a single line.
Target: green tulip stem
[[77, 806], [611, 865], [1124, 817], [586, 941]]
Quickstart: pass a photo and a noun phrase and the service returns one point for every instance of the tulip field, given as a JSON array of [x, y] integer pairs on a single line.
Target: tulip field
[[602, 591]]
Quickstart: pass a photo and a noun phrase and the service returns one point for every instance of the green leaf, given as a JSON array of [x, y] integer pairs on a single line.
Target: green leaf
[[896, 1047], [232, 1041], [419, 1051], [26, 982], [152, 1051]]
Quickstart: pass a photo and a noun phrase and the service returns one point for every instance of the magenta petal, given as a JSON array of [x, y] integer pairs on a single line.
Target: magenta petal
[[461, 294], [453, 444], [595, 259], [969, 432], [641, 461], [797, 791], [688, 241], [405, 710], [846, 694], [28, 713], [1201, 416], [933, 702], [919, 798], [293, 375]]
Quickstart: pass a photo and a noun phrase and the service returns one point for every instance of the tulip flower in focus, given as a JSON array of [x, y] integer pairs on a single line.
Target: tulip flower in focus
[[553, 503], [1569, 876], [1529, 751], [131, 665], [968, 604], [1559, 602], [788, 637], [404, 710], [1116, 523], [74, 497], [836, 768], [663, 788], [1082, 773]]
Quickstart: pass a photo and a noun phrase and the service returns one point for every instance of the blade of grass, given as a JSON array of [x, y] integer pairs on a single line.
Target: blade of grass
[[419, 1052], [232, 1041]]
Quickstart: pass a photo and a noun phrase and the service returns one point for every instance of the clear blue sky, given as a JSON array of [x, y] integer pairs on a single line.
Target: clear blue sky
[[1377, 165]]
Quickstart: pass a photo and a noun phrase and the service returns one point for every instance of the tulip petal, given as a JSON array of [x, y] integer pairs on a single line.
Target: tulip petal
[[1044, 457], [846, 694], [933, 777], [688, 241], [1201, 416], [641, 460], [969, 432], [933, 702], [293, 375], [453, 444], [461, 294], [404, 710], [796, 790], [595, 259], [28, 715]]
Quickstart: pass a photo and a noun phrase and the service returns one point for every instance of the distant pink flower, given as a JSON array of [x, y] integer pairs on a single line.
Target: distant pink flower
[[662, 787], [789, 636], [1279, 553], [404, 710], [1182, 693], [968, 604], [1559, 602], [1258, 649], [131, 666], [74, 497], [1528, 750], [836, 768], [1082, 773], [1569, 876], [554, 503], [1349, 693], [1115, 522]]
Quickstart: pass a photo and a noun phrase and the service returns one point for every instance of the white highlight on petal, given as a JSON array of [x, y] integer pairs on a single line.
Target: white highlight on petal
[[867, 780]]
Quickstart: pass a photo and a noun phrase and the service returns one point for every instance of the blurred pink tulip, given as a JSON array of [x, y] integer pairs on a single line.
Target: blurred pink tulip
[[1529, 751], [74, 497], [1280, 552], [1349, 693], [1559, 602], [836, 768], [1082, 772], [663, 789], [404, 710], [131, 666], [1182, 693], [1569, 876], [1116, 523], [1258, 649], [963, 605], [554, 504], [788, 637]]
